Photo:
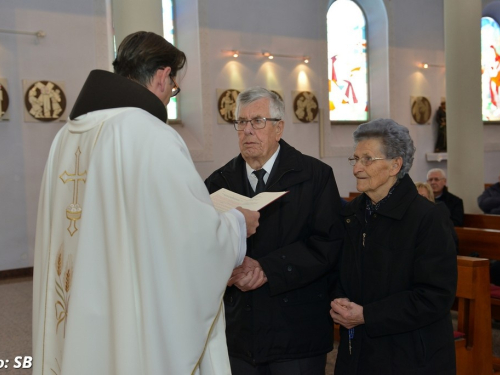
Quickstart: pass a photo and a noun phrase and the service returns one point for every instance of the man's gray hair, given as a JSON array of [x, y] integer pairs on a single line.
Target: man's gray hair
[[443, 173], [395, 140], [276, 105]]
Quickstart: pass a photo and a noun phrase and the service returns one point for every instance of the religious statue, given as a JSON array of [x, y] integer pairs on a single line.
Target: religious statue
[[441, 121]]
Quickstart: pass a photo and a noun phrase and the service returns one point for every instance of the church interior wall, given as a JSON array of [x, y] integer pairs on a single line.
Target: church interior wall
[[67, 53], [75, 30]]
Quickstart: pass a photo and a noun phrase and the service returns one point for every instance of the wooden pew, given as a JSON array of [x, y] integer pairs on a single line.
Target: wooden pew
[[474, 351], [354, 194], [482, 221], [486, 244]]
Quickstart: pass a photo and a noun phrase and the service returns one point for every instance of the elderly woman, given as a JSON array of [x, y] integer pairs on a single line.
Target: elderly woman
[[399, 272]]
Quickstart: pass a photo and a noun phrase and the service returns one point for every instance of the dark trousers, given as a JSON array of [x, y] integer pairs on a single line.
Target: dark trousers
[[303, 366]]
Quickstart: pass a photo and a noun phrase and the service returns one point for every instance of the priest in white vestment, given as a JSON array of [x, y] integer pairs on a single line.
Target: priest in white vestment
[[131, 258]]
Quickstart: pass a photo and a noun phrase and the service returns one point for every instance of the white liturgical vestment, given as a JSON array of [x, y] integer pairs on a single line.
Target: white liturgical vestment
[[131, 258]]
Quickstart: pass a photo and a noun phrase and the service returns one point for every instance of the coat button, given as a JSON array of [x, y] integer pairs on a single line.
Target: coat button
[[285, 300], [347, 221], [248, 307], [289, 268], [283, 257], [374, 216]]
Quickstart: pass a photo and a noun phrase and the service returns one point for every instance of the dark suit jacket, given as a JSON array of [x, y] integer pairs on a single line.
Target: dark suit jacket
[[455, 205], [489, 201], [298, 245]]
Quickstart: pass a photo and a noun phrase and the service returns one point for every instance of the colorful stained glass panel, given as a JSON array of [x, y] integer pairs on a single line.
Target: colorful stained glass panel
[[347, 62], [168, 34], [490, 69]]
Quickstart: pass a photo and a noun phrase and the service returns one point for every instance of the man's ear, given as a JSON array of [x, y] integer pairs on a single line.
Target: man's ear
[[163, 78], [279, 127]]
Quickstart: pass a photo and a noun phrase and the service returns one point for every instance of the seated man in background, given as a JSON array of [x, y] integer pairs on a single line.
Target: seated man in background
[[436, 177], [489, 201], [425, 191]]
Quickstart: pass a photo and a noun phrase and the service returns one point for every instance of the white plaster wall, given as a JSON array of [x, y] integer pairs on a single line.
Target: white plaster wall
[[417, 35], [76, 42], [282, 27]]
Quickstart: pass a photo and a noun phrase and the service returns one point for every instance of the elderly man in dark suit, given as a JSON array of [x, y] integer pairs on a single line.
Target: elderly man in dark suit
[[277, 302], [437, 179]]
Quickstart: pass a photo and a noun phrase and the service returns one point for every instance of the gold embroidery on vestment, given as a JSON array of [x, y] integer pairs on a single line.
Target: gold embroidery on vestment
[[74, 210], [63, 286]]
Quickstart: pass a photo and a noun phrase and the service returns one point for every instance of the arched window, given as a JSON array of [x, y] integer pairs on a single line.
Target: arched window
[[169, 34], [347, 62], [490, 68]]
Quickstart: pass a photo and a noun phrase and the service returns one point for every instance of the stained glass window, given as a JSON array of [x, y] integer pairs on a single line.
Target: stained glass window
[[490, 68], [347, 62], [168, 34]]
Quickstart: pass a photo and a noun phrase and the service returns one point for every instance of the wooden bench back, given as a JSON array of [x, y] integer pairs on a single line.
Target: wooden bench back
[[474, 352], [485, 242], [482, 221]]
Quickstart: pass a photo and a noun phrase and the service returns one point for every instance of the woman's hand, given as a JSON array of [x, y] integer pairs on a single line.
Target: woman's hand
[[346, 313]]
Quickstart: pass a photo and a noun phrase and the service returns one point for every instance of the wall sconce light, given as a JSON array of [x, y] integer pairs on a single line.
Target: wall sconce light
[[269, 55], [425, 65]]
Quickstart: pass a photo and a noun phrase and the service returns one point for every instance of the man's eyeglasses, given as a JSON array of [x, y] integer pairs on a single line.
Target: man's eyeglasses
[[365, 160], [176, 89], [430, 179], [257, 123]]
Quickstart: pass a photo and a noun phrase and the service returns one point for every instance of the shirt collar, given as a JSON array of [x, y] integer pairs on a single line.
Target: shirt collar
[[268, 166]]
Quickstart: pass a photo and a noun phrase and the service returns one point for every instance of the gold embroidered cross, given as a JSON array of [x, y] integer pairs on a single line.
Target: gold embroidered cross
[[74, 211]]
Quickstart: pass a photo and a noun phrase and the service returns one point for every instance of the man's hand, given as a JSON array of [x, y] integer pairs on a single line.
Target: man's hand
[[346, 313], [248, 276], [251, 220]]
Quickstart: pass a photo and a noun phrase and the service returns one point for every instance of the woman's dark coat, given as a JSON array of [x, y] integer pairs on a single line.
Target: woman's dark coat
[[298, 245], [405, 278]]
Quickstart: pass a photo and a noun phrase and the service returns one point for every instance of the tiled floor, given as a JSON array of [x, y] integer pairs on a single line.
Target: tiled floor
[[15, 323]]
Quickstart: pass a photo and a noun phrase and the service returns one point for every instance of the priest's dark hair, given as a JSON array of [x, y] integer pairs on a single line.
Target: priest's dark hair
[[142, 53]]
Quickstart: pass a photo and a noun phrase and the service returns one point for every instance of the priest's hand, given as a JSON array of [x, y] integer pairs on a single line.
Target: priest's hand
[[346, 313], [251, 220]]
